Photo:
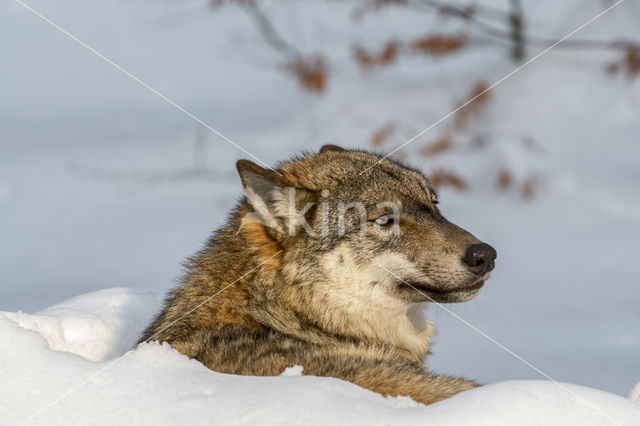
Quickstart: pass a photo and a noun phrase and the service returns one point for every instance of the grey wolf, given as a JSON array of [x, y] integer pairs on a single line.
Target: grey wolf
[[335, 268]]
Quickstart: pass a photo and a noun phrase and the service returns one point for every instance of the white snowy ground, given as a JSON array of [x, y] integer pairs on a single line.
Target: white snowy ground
[[565, 293], [155, 384]]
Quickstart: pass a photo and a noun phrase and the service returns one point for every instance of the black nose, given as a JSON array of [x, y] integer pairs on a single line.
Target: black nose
[[480, 258]]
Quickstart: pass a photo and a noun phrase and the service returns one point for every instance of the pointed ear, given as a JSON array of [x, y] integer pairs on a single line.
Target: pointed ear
[[276, 204], [266, 192], [261, 181], [330, 147]]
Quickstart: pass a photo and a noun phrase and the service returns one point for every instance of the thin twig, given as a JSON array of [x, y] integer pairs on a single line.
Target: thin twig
[[528, 39], [269, 31]]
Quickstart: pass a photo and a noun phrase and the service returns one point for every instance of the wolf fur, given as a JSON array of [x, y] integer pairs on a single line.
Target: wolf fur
[[299, 276]]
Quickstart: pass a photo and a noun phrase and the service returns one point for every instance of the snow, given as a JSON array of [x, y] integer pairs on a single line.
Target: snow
[[97, 326], [93, 195], [296, 370], [59, 382], [634, 395]]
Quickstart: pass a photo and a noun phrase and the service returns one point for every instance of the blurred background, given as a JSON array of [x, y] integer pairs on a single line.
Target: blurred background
[[107, 181]]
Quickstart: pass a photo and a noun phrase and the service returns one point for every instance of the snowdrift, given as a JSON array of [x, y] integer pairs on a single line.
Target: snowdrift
[[73, 364]]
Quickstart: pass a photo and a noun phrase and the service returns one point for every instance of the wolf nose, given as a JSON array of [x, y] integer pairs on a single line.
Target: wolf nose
[[480, 258]]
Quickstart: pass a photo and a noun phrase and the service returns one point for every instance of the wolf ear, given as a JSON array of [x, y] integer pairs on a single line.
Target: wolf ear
[[330, 147], [276, 204], [266, 192]]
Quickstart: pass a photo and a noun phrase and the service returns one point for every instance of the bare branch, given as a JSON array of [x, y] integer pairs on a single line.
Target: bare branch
[[525, 39], [269, 31], [516, 20]]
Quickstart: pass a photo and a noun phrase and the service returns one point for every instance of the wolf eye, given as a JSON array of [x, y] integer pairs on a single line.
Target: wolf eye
[[385, 219]]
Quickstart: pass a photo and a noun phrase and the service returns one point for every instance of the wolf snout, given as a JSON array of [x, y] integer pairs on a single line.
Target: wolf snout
[[480, 258]]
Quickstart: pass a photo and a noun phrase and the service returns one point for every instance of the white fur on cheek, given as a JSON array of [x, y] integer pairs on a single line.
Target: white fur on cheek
[[361, 299]]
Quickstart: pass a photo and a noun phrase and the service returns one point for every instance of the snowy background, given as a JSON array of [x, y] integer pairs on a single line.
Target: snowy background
[[104, 184]]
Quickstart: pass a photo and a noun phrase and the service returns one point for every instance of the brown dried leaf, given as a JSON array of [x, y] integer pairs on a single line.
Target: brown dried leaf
[[442, 178], [438, 146], [477, 99], [505, 180], [439, 45], [311, 72], [630, 61], [368, 60], [382, 134]]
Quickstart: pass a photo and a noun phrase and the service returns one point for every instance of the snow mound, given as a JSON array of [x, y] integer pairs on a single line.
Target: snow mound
[[155, 384], [98, 325], [634, 395]]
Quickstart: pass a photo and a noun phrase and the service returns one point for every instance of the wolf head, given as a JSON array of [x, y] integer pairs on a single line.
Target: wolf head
[[363, 243]]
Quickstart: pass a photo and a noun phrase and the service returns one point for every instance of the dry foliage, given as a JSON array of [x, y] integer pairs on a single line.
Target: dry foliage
[[630, 62], [311, 72], [505, 180], [439, 45], [438, 146], [475, 102], [381, 135], [368, 60], [442, 178], [527, 190]]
